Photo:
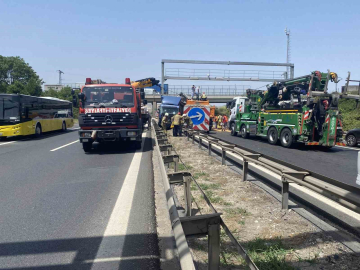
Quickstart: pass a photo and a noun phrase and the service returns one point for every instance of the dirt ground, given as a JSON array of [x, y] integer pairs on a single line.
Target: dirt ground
[[274, 238]]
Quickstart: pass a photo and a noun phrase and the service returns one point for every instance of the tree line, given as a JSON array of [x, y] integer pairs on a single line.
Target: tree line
[[18, 77]]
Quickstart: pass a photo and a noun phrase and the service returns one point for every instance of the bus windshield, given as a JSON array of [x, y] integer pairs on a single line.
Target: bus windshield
[[9, 109], [109, 96]]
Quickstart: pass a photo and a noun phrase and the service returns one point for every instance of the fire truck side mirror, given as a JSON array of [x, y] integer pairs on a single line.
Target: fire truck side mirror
[[142, 95], [81, 96]]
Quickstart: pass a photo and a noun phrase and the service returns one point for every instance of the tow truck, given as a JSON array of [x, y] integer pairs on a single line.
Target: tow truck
[[110, 112], [296, 110]]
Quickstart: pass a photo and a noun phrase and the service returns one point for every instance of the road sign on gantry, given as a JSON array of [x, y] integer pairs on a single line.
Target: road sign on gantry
[[200, 116]]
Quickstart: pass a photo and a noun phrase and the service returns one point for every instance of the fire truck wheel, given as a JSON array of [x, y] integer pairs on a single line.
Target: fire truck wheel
[[233, 131], [87, 147], [272, 135], [286, 138], [63, 127], [137, 145], [244, 134]]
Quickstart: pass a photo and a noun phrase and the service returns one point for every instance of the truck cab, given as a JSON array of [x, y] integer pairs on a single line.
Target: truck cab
[[237, 105], [109, 112]]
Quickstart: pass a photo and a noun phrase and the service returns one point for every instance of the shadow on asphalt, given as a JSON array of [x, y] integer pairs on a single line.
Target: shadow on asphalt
[[110, 148], [139, 251], [295, 146], [33, 138]]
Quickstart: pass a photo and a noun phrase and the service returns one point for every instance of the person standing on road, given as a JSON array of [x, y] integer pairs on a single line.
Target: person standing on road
[[215, 121], [177, 122], [224, 121], [219, 121], [193, 91]]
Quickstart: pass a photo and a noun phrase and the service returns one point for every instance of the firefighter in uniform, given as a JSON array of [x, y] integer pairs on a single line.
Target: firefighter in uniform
[[177, 122], [163, 121]]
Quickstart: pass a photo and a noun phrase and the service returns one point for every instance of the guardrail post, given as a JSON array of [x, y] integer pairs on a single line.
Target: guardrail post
[[200, 142], [209, 147], [284, 194], [187, 193], [214, 247], [245, 169], [193, 138], [223, 156]]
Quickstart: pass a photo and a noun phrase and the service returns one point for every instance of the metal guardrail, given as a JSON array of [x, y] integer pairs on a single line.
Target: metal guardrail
[[199, 225], [346, 195], [186, 261]]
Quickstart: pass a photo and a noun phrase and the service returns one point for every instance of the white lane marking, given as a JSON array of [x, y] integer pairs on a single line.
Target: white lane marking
[[118, 259], [73, 128], [119, 219], [347, 147], [64, 146], [6, 143]]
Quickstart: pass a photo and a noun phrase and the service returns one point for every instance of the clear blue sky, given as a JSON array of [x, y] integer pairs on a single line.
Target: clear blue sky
[[112, 40]]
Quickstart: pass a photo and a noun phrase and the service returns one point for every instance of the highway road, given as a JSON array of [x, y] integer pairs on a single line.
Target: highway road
[[64, 209], [339, 163]]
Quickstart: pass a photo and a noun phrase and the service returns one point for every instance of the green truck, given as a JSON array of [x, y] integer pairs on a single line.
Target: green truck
[[296, 110]]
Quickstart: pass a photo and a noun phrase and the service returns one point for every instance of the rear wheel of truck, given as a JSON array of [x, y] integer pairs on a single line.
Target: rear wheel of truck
[[87, 147], [233, 131], [272, 135], [244, 134], [286, 138]]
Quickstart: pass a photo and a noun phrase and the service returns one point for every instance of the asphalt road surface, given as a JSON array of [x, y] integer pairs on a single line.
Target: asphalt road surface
[[339, 163], [64, 209]]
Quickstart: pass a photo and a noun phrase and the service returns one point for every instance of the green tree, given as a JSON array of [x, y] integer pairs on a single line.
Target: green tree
[[18, 77], [221, 110]]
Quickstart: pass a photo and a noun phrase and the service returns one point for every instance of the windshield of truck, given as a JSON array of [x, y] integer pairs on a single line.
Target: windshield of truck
[[9, 109], [169, 110], [109, 96]]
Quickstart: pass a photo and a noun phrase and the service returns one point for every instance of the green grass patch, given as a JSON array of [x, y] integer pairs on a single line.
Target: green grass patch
[[241, 222], [236, 211], [269, 254], [209, 186], [198, 175], [182, 167], [213, 198]]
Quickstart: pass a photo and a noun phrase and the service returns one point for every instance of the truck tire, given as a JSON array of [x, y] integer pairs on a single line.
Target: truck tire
[[244, 134], [87, 146], [272, 135], [137, 145], [351, 140], [233, 129], [286, 138]]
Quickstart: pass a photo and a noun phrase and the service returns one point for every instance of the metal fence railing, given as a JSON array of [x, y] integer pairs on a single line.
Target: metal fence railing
[[210, 90], [226, 74]]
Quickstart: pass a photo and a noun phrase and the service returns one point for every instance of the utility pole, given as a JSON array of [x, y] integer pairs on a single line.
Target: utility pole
[[60, 72], [287, 32]]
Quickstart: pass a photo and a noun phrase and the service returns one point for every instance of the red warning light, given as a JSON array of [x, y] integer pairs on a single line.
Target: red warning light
[[88, 81], [127, 81]]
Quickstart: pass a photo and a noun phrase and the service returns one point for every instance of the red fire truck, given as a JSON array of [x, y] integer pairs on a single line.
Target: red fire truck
[[110, 112]]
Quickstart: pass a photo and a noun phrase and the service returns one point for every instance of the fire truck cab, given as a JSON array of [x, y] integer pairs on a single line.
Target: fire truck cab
[[110, 112]]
